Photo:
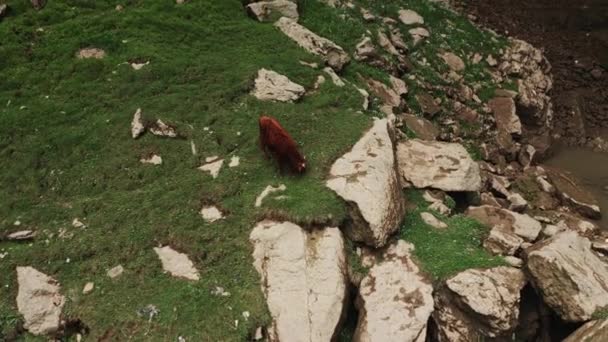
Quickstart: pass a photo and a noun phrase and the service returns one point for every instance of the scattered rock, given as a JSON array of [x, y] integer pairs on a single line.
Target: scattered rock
[[491, 296], [521, 225], [574, 195], [178, 264], [21, 235], [419, 34], [427, 104], [333, 54], [570, 276], [211, 213], [409, 17], [153, 159], [423, 128], [270, 10], [365, 177], [432, 221], [303, 279], [88, 288], [334, 77], [395, 300], [137, 125], [272, 86], [94, 53], [504, 114], [594, 331], [161, 129], [213, 167], [234, 161], [491, 61], [439, 165], [39, 301], [76, 223], [502, 241], [454, 62], [115, 271]]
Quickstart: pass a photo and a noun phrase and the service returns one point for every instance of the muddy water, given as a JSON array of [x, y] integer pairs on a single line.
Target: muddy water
[[591, 168]]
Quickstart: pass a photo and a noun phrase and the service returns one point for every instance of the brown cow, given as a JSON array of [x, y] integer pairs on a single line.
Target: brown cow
[[274, 139]]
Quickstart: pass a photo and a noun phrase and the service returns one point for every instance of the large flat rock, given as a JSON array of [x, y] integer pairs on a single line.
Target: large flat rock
[[366, 178], [395, 300], [272, 86], [572, 279], [440, 165], [521, 225], [39, 301], [303, 279]]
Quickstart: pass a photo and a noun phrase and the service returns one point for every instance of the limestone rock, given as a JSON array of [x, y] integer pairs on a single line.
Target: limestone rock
[[365, 177], [432, 221], [423, 128], [427, 104], [213, 166], [333, 54], [594, 331], [334, 77], [177, 264], [570, 276], [21, 235], [491, 295], [386, 44], [398, 85], [161, 129], [409, 17], [153, 159], [211, 213], [115, 271], [518, 203], [453, 61], [269, 10], [272, 86], [521, 225], [88, 288], [502, 241], [445, 166], [388, 96], [395, 300], [419, 34], [267, 191], [303, 279], [39, 301], [504, 114], [94, 53], [137, 125]]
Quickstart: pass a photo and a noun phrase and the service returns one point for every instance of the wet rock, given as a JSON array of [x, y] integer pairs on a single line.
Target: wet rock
[[303, 277], [137, 125], [569, 275], [594, 331], [395, 300], [409, 17], [453, 61], [161, 129], [267, 191], [333, 54], [177, 264], [387, 95], [153, 159], [88, 288], [427, 104], [94, 53], [572, 194], [213, 166], [211, 213], [270, 10], [419, 34], [115, 271], [423, 128], [39, 301], [504, 114], [21, 235], [491, 296], [432, 221], [439, 165], [520, 224], [272, 86], [365, 177], [502, 241]]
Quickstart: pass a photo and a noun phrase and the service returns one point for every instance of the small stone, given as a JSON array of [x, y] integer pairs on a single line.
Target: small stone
[[476, 58], [453, 61], [514, 261], [502, 241], [272, 86], [21, 235], [267, 191], [139, 66], [94, 53], [518, 203], [334, 77], [76, 223], [115, 272], [269, 10], [545, 185], [367, 15], [432, 221], [159, 128], [119, 8], [427, 104], [409, 17], [320, 80], [219, 291], [213, 168], [491, 61], [419, 34], [234, 161], [211, 213], [310, 65], [88, 288], [137, 125], [153, 159], [177, 264], [258, 334], [246, 315]]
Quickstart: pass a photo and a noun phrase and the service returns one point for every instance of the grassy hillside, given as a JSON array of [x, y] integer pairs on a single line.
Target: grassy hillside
[[66, 151]]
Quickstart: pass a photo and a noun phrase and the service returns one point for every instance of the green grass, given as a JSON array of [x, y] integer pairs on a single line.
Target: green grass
[[600, 314], [443, 253], [68, 153]]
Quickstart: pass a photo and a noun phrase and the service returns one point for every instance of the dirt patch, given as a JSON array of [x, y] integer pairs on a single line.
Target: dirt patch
[[574, 37]]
